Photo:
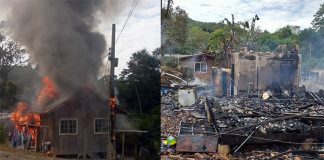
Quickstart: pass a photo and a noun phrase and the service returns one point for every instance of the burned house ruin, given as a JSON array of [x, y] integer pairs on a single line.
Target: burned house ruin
[[257, 70]]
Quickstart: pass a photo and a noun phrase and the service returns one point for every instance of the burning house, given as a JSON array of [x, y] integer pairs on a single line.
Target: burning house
[[73, 126], [78, 125]]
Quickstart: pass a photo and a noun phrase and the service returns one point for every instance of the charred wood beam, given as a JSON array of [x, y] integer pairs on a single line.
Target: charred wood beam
[[209, 105], [208, 111], [267, 121], [313, 118]]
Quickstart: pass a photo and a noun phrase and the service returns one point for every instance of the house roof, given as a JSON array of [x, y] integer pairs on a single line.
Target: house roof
[[177, 55], [197, 55], [60, 103]]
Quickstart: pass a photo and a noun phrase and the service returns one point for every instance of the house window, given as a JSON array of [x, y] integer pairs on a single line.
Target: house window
[[200, 67], [68, 126], [100, 125]]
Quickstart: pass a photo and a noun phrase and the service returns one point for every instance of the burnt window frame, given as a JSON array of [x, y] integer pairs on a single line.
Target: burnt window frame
[[200, 67], [94, 126], [69, 119]]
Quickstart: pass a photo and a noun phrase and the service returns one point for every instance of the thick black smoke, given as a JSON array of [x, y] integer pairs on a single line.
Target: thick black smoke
[[60, 37]]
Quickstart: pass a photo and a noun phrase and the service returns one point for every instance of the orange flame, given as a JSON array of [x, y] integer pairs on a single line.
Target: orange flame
[[112, 101], [22, 119], [47, 92]]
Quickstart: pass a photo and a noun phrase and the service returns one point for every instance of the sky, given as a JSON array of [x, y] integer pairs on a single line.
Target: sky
[[273, 14], [142, 30]]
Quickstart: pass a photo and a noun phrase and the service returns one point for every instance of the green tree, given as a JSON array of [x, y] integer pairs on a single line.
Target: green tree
[[216, 40], [198, 38], [142, 75], [225, 40], [11, 55], [178, 29], [206, 26], [175, 32], [287, 35], [8, 95], [217, 45], [267, 41], [318, 21], [139, 91], [166, 8], [234, 37]]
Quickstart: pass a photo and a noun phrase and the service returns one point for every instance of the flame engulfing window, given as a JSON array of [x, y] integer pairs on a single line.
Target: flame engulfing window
[[68, 126], [100, 125], [200, 67]]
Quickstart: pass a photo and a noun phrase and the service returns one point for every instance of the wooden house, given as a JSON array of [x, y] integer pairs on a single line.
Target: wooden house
[[77, 126]]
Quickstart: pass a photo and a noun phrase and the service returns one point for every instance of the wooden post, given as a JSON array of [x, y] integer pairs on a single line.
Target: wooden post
[[232, 81], [213, 79], [136, 154], [110, 150], [123, 146]]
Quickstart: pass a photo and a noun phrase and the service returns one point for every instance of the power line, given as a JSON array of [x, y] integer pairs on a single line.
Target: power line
[[128, 16]]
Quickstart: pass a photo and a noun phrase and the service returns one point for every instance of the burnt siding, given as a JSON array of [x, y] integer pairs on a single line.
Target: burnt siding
[[270, 70], [46, 132], [84, 109]]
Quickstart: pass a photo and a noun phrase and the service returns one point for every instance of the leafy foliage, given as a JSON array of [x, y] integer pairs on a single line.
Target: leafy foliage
[[216, 40], [142, 75], [205, 26], [176, 28], [11, 55], [198, 38], [166, 9], [8, 94], [318, 21], [175, 32], [150, 123], [169, 61], [139, 90]]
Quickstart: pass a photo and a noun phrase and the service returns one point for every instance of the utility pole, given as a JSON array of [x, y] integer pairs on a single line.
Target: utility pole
[[112, 99]]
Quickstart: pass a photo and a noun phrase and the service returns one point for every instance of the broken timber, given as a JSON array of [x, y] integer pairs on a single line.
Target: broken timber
[[264, 122]]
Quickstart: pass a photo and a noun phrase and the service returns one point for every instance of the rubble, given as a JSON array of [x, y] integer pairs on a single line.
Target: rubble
[[276, 120]]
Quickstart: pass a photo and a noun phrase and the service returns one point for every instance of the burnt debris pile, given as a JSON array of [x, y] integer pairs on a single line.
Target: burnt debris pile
[[260, 124]]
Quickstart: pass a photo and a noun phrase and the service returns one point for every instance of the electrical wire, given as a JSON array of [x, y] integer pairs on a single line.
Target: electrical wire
[[128, 16]]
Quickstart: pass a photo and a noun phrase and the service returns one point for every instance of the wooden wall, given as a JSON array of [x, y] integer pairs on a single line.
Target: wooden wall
[[84, 109]]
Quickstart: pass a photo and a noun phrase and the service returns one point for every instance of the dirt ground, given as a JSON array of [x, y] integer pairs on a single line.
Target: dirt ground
[[8, 153]]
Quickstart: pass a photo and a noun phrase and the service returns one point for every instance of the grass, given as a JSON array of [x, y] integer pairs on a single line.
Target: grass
[[23, 154]]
